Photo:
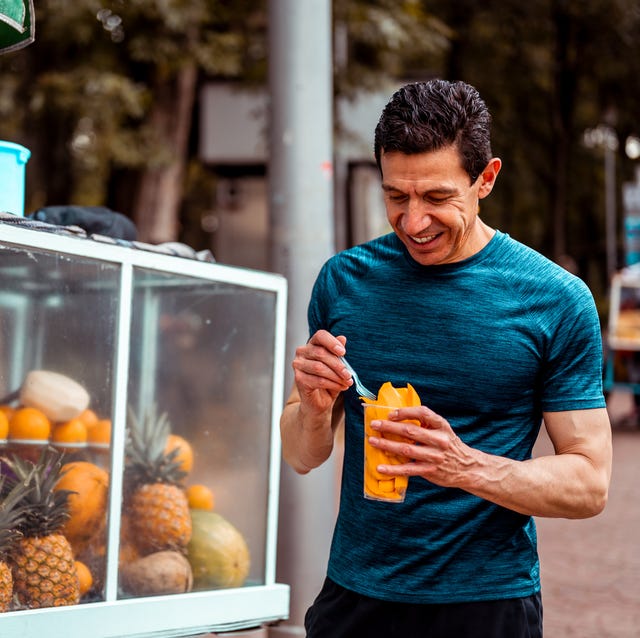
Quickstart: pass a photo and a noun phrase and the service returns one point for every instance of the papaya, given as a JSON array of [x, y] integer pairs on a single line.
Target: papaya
[[217, 552]]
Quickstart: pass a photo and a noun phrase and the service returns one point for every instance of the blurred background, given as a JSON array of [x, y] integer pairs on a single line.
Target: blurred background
[[120, 103], [161, 109]]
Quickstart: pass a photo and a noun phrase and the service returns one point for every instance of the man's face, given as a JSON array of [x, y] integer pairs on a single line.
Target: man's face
[[432, 206]]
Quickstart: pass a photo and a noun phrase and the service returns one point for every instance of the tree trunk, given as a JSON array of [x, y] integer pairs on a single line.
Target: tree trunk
[[562, 117], [160, 191]]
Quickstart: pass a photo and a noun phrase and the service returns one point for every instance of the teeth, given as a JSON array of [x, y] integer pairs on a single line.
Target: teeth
[[422, 240]]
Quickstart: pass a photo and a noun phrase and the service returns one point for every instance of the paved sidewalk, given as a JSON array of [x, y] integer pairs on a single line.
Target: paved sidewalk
[[591, 568]]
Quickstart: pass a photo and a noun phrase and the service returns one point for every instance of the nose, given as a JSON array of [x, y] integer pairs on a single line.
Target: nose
[[417, 217]]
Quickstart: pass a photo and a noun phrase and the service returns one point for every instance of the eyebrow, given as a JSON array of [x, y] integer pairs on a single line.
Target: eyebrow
[[439, 190]]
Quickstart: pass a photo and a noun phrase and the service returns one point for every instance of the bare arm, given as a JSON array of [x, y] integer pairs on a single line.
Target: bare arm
[[572, 483], [314, 408], [307, 438]]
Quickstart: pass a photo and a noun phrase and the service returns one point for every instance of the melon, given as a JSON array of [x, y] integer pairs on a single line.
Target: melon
[[217, 552]]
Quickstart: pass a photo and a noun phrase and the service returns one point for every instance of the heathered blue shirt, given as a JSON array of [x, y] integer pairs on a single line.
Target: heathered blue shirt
[[489, 343]]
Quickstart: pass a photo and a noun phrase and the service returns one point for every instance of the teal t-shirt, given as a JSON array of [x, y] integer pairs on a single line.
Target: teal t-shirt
[[489, 343]]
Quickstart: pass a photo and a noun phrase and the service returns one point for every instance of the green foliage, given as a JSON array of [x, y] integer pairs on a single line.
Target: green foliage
[[384, 38], [94, 72], [549, 70]]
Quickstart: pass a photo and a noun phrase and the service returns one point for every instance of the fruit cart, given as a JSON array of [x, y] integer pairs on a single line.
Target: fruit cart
[[141, 396], [622, 346]]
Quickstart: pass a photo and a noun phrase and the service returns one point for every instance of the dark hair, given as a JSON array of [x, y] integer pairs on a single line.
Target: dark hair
[[427, 116]]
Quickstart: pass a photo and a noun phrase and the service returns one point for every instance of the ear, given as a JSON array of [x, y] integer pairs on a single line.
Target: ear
[[488, 176]]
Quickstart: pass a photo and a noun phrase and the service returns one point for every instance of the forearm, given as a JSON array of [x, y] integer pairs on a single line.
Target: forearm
[[572, 483], [307, 438], [562, 486]]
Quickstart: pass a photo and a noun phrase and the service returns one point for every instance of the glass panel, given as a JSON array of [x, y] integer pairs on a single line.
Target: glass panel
[[203, 353], [57, 330]]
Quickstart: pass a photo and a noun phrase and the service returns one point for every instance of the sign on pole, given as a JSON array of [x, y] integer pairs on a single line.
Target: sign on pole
[[17, 24]]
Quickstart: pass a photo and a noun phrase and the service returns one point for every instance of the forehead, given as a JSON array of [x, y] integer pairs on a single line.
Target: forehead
[[432, 166]]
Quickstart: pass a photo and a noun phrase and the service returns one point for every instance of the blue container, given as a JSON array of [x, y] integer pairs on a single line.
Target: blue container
[[13, 159], [632, 239]]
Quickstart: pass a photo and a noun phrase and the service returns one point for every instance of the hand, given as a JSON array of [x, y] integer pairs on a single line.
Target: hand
[[319, 374], [432, 448]]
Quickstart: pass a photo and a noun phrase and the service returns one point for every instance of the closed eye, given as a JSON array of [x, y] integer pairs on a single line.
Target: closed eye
[[436, 200]]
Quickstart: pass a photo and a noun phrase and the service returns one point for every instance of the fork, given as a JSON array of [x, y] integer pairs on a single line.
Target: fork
[[362, 390]]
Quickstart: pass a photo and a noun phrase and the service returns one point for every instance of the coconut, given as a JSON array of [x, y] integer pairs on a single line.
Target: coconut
[[165, 572], [217, 552]]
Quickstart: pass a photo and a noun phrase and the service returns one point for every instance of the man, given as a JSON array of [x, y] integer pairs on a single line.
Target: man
[[495, 339]]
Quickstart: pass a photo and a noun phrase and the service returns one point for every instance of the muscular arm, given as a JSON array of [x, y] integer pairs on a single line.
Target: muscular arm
[[572, 483]]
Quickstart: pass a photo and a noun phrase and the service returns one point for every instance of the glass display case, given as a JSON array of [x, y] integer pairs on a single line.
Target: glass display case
[[161, 380]]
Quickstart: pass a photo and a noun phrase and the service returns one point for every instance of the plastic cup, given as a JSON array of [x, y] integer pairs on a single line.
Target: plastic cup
[[377, 486]]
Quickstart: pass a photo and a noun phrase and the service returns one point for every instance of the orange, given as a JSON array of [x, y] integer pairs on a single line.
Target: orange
[[85, 579], [200, 497], [99, 434], [4, 426], [29, 424], [87, 504], [89, 417], [185, 454], [70, 432]]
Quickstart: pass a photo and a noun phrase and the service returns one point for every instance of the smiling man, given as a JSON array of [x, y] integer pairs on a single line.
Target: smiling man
[[497, 340]]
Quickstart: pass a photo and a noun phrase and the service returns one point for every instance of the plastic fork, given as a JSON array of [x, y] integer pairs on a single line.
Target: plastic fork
[[362, 390]]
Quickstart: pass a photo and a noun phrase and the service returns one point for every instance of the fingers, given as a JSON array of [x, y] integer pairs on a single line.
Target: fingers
[[325, 340], [428, 442], [317, 367], [426, 417]]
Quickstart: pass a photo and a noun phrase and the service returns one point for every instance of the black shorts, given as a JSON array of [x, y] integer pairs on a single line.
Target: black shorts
[[340, 613]]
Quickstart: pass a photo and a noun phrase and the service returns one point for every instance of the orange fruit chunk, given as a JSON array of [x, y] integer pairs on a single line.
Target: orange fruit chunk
[[29, 424], [200, 497], [396, 397]]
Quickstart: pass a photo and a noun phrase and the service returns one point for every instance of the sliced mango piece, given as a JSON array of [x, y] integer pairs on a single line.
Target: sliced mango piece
[[387, 486], [376, 485]]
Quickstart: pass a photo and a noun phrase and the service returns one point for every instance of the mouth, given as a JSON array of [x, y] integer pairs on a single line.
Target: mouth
[[424, 240]]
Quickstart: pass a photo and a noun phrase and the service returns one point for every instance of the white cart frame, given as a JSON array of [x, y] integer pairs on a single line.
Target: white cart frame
[[172, 615]]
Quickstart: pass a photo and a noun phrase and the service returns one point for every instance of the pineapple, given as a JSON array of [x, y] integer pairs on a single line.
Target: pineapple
[[42, 562], [156, 504], [11, 515]]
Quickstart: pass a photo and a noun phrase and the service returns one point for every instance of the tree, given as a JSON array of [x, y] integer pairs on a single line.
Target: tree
[[106, 96], [549, 70]]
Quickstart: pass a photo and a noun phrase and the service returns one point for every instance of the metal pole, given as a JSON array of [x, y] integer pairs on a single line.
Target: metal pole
[[301, 210]]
